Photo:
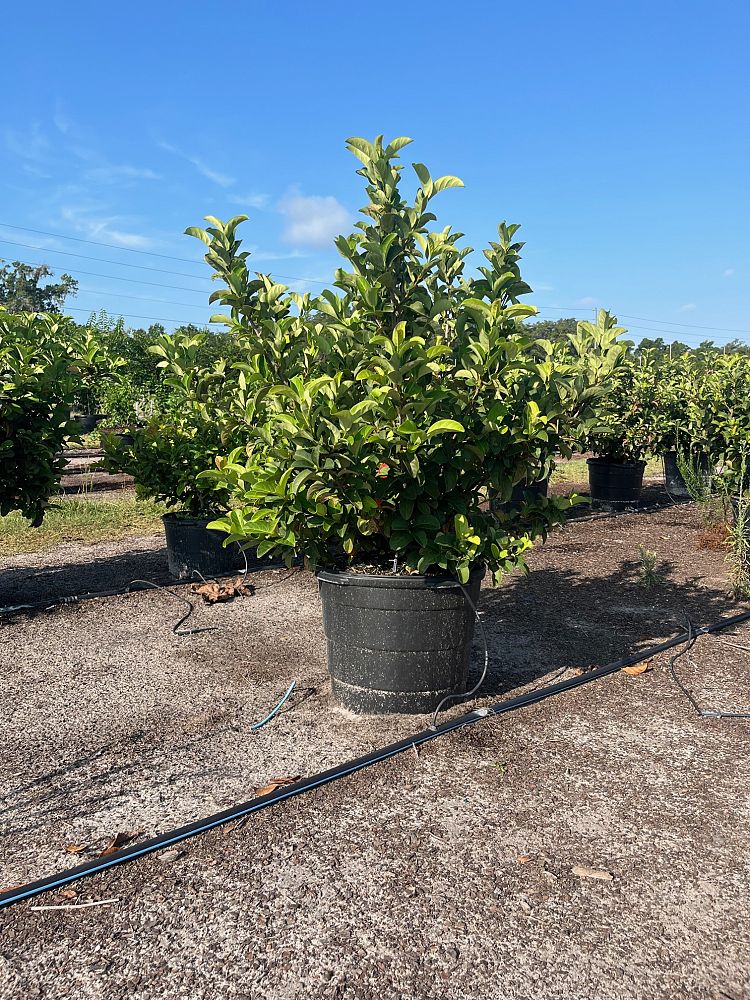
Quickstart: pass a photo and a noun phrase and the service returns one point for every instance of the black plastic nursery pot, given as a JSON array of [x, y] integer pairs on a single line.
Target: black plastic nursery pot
[[397, 643], [87, 422], [192, 548], [517, 497], [675, 481], [615, 482]]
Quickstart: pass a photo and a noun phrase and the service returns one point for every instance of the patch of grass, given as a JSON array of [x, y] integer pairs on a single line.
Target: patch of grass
[[81, 519]]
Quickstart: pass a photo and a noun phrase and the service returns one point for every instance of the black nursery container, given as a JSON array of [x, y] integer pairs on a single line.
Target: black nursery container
[[87, 422], [397, 643], [192, 548], [517, 497], [615, 482], [676, 486]]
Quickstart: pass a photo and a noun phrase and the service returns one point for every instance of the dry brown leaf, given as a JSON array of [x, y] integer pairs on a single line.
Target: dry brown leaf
[[74, 848], [68, 893], [275, 783], [638, 668], [583, 872], [119, 841], [218, 593], [523, 859], [171, 855]]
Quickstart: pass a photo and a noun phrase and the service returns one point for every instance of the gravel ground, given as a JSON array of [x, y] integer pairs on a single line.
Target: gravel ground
[[404, 880]]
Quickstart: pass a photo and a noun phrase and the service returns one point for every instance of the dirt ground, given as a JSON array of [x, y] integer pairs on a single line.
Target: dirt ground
[[403, 880]]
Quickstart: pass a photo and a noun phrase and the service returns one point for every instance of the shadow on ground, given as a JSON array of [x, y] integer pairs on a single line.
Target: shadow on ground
[[556, 618], [54, 582]]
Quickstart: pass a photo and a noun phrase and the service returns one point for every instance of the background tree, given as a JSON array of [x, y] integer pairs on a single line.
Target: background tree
[[556, 330], [20, 289]]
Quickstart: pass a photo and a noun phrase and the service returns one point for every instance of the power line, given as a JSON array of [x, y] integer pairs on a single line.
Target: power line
[[103, 260], [118, 277], [142, 267], [645, 319], [138, 298], [96, 243], [286, 277], [152, 319], [690, 326]]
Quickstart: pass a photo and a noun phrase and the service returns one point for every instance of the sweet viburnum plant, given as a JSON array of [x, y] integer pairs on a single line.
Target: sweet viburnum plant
[[36, 392], [402, 398], [627, 427]]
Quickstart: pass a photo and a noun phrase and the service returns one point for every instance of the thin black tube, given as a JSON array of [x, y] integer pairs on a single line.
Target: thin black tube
[[183, 833]]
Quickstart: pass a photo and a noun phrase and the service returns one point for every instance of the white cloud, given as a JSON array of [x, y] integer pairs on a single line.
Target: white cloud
[[60, 119], [587, 300], [258, 200], [111, 173], [223, 180], [31, 145], [83, 219], [729, 273], [313, 219], [688, 307]]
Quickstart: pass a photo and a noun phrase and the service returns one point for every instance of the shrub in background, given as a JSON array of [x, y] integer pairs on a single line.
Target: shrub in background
[[36, 392]]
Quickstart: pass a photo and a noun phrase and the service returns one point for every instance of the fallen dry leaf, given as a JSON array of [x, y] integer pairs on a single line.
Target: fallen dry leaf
[[639, 668], [583, 872], [68, 893], [171, 855], [118, 841], [523, 859], [74, 848], [218, 593], [275, 783]]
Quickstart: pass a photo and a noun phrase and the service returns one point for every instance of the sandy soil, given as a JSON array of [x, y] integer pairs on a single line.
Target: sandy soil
[[402, 881]]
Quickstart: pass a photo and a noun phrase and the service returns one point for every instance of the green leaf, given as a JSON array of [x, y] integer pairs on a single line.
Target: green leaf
[[422, 172], [445, 427], [442, 183]]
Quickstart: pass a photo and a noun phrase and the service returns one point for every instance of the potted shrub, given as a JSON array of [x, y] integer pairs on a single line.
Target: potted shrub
[[625, 433], [36, 390], [410, 390], [166, 456], [680, 416], [94, 366]]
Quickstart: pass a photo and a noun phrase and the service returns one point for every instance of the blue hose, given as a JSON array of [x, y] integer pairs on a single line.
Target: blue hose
[[274, 711]]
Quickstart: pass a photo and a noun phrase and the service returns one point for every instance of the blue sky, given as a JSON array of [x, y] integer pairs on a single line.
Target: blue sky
[[615, 133]]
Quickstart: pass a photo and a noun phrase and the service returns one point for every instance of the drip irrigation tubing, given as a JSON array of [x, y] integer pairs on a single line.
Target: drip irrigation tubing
[[244, 809]]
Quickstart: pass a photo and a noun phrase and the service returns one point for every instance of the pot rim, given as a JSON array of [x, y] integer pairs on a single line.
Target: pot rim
[[188, 518], [601, 460], [416, 581]]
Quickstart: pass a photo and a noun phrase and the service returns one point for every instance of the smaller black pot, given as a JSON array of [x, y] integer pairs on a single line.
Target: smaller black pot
[[87, 422], [517, 497], [615, 482], [123, 438], [676, 485], [192, 548]]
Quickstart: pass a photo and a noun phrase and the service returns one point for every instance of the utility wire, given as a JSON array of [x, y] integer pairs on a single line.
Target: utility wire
[[290, 277], [96, 243], [104, 260], [152, 319]]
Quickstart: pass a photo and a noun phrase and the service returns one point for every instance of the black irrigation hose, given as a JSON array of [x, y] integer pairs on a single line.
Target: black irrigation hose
[[704, 713], [183, 833]]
